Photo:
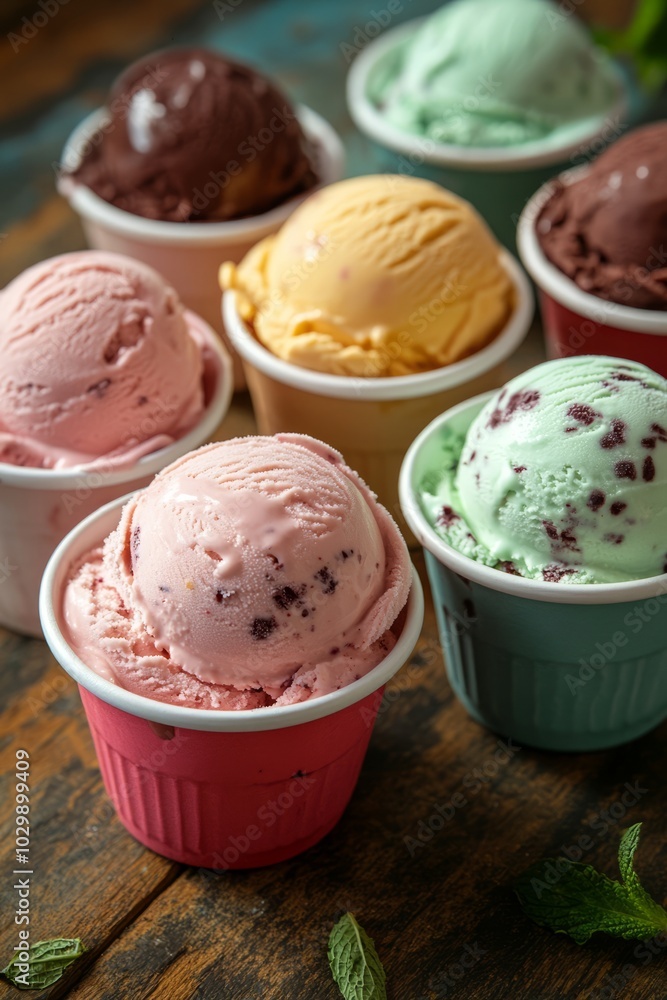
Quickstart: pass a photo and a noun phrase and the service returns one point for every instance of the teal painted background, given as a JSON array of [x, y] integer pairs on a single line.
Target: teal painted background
[[296, 41]]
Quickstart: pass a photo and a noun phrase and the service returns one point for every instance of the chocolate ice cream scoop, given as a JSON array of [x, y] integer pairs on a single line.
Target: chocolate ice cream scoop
[[193, 136], [607, 231]]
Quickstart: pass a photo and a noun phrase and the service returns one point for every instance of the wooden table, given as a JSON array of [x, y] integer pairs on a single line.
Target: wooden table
[[443, 916]]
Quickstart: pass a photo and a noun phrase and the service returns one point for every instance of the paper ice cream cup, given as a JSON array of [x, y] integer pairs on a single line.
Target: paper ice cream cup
[[222, 789], [498, 181], [371, 421], [576, 322], [556, 666], [188, 255], [38, 507]]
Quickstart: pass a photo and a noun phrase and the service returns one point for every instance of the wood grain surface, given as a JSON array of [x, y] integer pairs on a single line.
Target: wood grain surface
[[443, 915]]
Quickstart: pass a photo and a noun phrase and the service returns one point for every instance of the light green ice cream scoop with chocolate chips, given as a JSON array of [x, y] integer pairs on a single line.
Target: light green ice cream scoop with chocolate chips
[[562, 476]]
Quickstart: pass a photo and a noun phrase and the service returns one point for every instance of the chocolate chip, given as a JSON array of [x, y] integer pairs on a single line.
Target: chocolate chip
[[583, 414], [142, 400], [612, 538], [286, 597], [136, 541], [648, 469], [660, 431], [625, 470], [519, 468], [595, 500], [615, 436], [262, 628], [618, 507], [328, 582], [526, 399], [555, 573], [334, 651], [447, 517], [507, 566], [551, 530], [649, 442]]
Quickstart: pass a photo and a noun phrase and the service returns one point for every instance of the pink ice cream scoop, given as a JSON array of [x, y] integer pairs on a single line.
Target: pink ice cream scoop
[[255, 571], [99, 360]]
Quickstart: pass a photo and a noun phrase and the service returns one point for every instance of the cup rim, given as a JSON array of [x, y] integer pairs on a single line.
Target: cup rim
[[90, 532], [76, 476], [483, 158], [387, 387], [90, 206], [563, 289], [487, 576]]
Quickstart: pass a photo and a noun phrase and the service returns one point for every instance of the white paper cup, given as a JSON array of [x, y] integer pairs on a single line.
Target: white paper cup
[[576, 322], [188, 255], [38, 507], [372, 421], [516, 171], [196, 784]]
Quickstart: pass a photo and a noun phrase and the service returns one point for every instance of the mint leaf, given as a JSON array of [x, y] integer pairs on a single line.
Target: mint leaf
[[576, 899], [644, 41], [354, 962], [47, 960]]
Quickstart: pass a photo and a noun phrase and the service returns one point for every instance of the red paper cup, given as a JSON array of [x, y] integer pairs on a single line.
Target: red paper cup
[[222, 789], [576, 322]]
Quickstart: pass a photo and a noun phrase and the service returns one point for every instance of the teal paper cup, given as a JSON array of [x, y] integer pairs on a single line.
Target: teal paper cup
[[569, 667], [497, 181]]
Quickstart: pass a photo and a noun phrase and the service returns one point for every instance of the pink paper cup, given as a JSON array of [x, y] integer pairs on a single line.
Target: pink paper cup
[[38, 507], [576, 322], [221, 789], [188, 255]]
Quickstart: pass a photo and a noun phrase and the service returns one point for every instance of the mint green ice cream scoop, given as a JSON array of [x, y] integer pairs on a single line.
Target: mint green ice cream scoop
[[562, 476], [491, 73]]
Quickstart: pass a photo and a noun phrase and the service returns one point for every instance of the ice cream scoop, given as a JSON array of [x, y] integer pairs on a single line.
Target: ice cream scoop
[[562, 476], [194, 136], [483, 73], [252, 572], [606, 229], [374, 276], [99, 361]]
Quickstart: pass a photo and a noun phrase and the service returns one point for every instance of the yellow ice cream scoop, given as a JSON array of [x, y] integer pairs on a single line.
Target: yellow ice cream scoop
[[374, 276]]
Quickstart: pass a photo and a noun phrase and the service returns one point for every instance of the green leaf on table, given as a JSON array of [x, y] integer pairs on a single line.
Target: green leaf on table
[[576, 899], [644, 41], [47, 960], [354, 962]]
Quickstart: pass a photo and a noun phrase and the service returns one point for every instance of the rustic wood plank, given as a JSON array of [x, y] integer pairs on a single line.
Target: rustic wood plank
[[90, 878], [263, 934]]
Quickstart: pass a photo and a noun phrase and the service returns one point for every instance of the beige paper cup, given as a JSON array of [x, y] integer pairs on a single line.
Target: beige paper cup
[[372, 421], [38, 507], [188, 255]]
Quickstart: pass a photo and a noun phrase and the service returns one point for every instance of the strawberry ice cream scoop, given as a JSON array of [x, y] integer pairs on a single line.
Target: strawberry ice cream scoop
[[254, 571], [99, 360]]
